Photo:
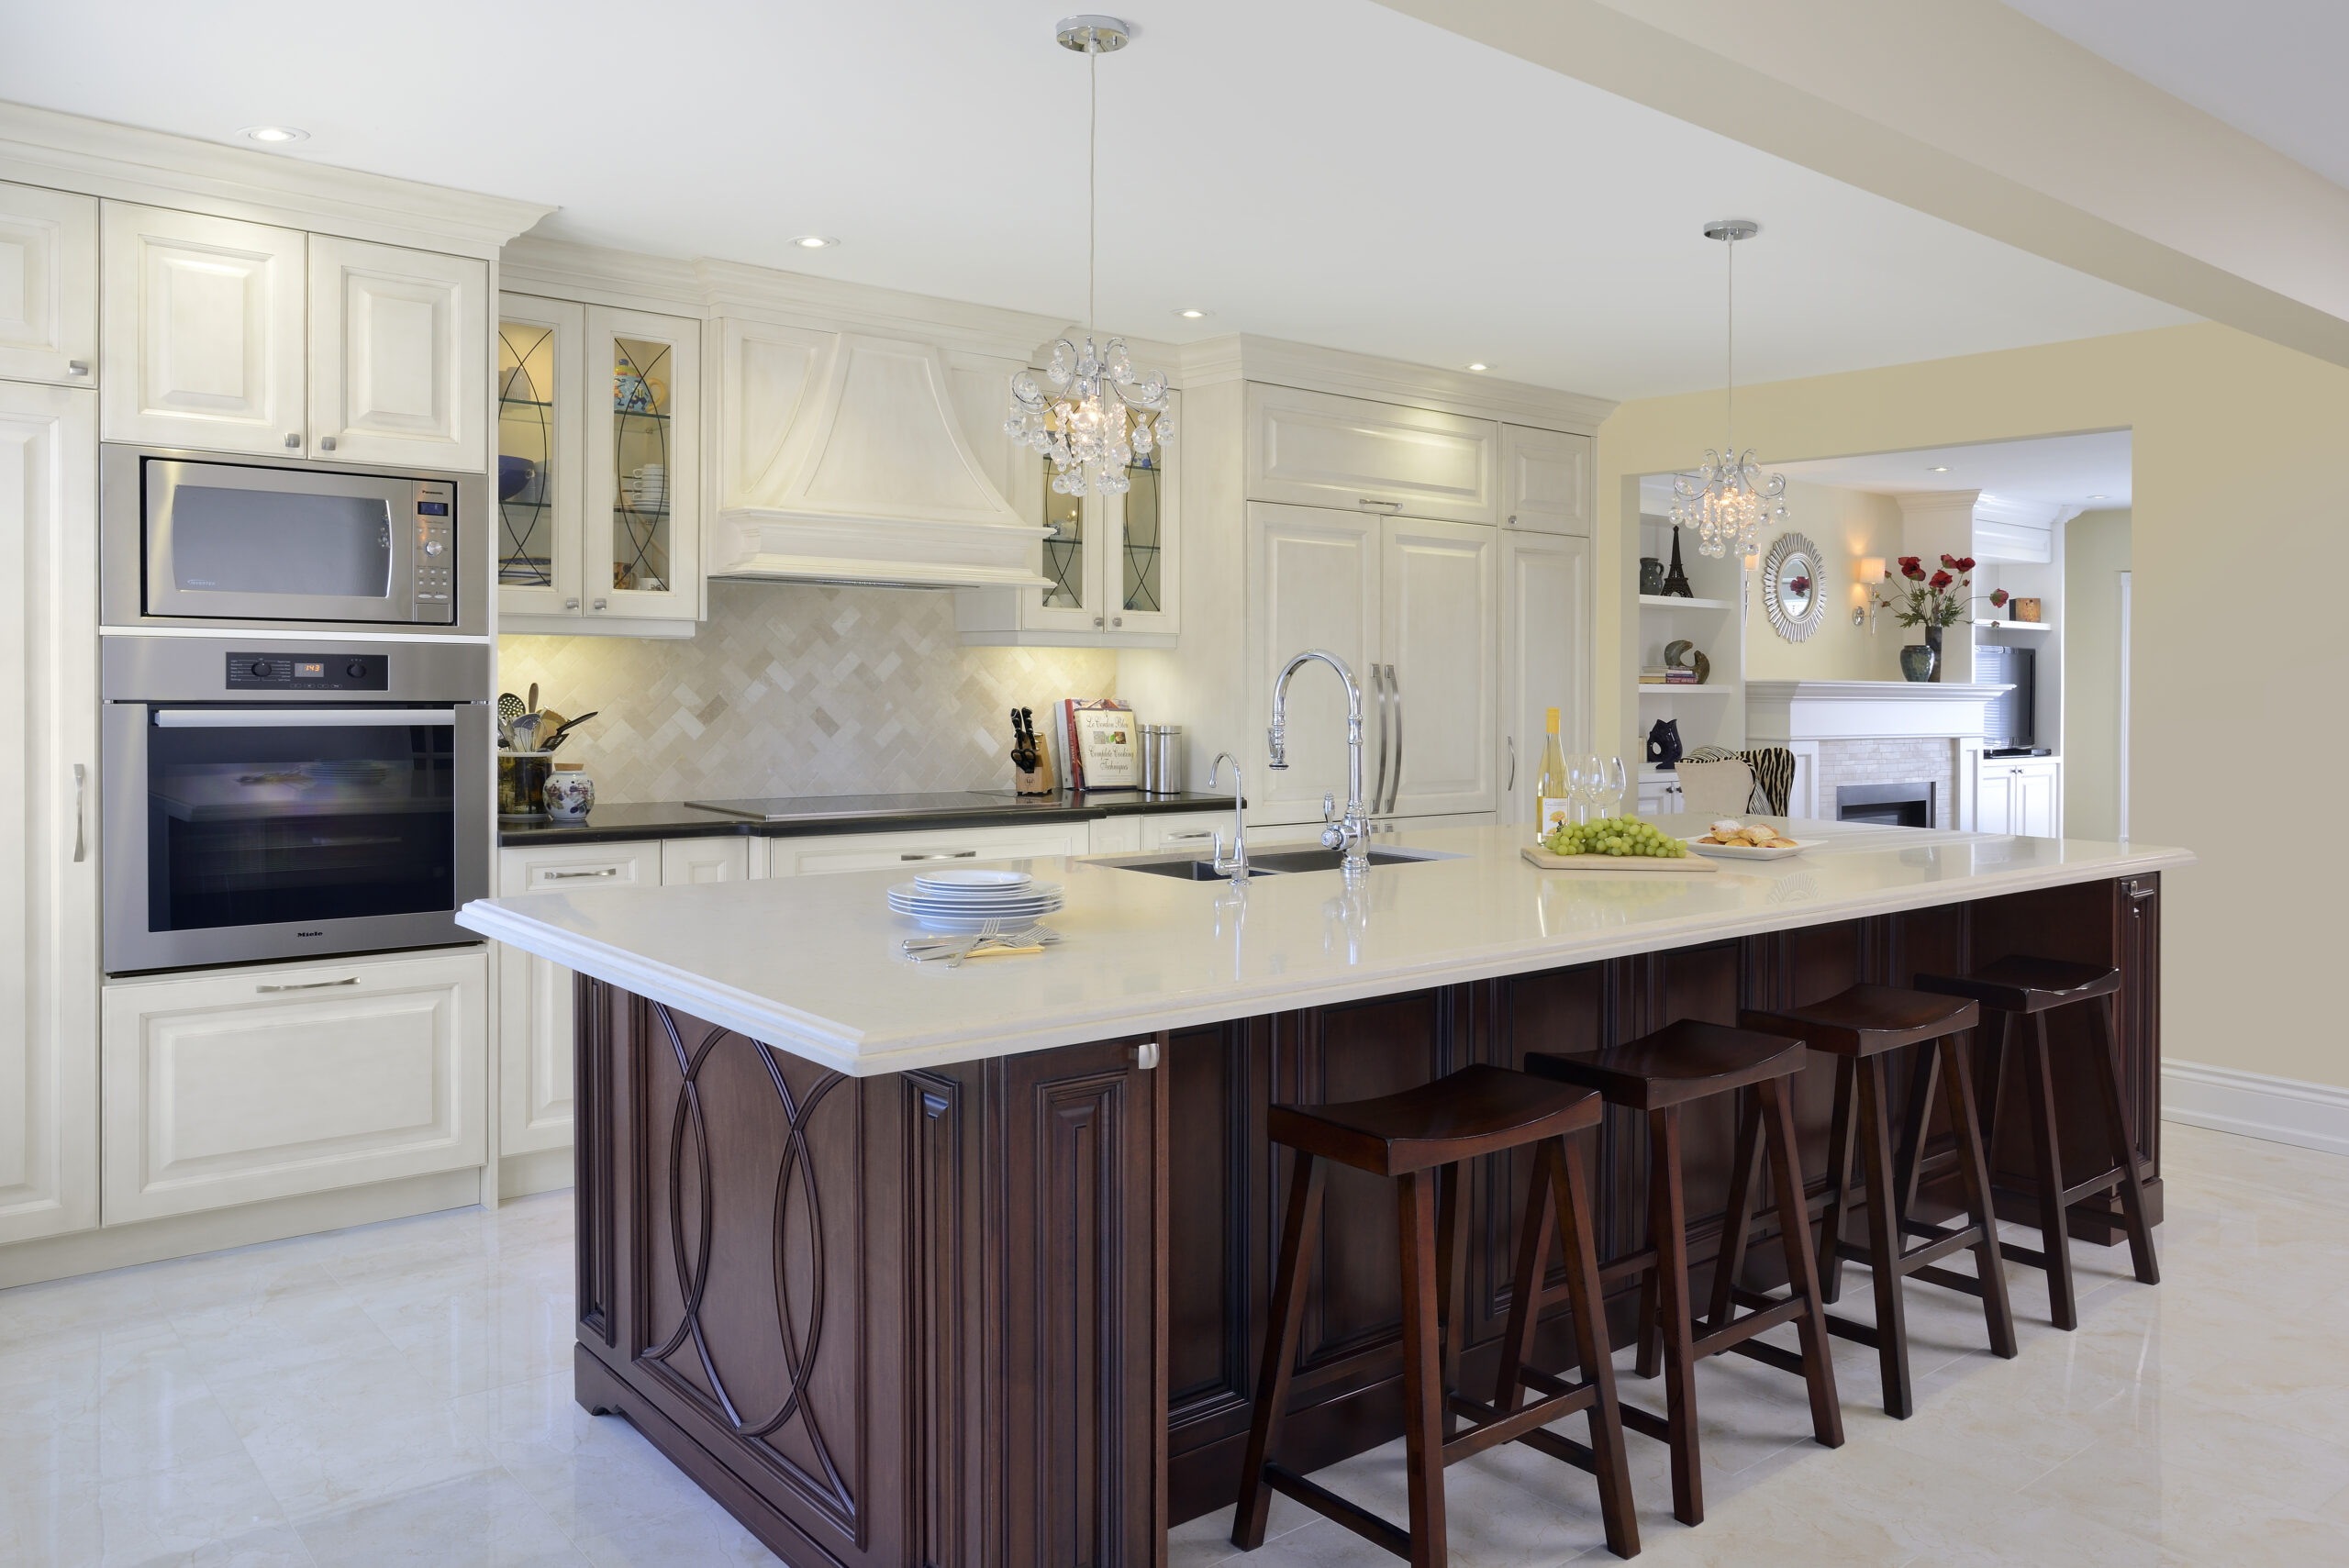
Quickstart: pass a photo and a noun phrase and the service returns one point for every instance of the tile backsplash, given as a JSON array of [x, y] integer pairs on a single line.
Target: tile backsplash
[[798, 689]]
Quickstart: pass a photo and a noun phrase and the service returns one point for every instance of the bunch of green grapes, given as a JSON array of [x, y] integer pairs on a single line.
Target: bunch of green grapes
[[1615, 836]]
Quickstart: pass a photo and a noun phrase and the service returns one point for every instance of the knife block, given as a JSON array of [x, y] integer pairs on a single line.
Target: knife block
[[1037, 780]]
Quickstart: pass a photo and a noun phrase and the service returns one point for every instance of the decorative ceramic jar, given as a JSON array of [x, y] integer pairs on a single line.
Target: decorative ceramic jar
[[522, 785], [571, 794], [1917, 661], [1650, 575]]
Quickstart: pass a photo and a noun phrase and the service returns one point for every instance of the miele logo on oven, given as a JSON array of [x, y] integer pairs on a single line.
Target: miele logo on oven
[[309, 933]]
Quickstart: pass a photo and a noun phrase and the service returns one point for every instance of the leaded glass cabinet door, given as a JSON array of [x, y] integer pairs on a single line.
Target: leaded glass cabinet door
[[539, 455], [643, 497], [1140, 582], [1071, 557]]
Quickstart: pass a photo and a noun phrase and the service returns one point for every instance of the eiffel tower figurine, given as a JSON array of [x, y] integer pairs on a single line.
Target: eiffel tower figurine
[[1675, 582]]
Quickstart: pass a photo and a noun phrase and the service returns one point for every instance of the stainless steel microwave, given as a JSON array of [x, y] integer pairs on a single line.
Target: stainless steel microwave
[[198, 540]]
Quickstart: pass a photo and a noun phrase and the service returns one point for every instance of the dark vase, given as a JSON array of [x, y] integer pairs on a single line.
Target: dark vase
[[1934, 641], [1663, 743], [1651, 575], [1917, 661]]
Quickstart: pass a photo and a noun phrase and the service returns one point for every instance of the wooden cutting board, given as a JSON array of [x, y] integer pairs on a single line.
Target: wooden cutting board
[[1548, 862]]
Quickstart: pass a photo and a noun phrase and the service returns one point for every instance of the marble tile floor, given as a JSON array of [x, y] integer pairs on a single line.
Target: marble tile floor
[[401, 1394]]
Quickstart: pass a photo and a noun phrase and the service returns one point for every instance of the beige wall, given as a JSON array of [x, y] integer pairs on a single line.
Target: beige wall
[[1846, 526], [798, 689], [2251, 933], [2096, 552]]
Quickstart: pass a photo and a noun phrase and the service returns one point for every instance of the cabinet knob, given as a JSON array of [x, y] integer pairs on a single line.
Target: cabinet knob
[[1512, 519], [1116, 620], [1097, 620], [295, 439], [597, 606], [569, 604], [326, 443], [76, 367]]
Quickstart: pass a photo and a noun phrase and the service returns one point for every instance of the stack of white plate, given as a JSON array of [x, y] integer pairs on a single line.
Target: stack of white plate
[[965, 900]]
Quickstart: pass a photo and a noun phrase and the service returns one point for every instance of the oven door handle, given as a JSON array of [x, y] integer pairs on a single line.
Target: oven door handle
[[299, 717]]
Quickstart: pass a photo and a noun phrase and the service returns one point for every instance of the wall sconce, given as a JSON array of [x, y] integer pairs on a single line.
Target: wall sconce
[[1869, 571]]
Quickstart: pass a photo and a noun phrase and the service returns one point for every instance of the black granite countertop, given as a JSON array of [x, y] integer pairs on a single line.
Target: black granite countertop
[[789, 817]]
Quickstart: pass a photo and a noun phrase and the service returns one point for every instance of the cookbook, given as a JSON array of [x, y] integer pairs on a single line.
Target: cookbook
[[1104, 747]]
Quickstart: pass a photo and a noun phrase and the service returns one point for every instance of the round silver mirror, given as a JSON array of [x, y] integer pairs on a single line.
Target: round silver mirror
[[1791, 592]]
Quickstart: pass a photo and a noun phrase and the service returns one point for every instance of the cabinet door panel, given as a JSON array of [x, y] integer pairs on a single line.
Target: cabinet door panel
[[1314, 574], [534, 1030], [1443, 636], [1994, 800], [396, 346], [1312, 449], [2035, 791], [1545, 659], [642, 521], [1545, 481], [539, 434], [49, 862], [257, 1084], [203, 331], [819, 854], [48, 285], [685, 861]]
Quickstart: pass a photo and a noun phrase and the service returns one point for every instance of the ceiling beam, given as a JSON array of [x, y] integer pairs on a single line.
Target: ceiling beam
[[1972, 112]]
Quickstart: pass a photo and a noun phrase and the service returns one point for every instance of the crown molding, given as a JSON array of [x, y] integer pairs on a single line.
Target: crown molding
[[796, 299], [1914, 501], [99, 158], [593, 275], [1247, 357]]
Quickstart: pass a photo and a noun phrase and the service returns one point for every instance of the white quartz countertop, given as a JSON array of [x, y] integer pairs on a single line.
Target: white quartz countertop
[[811, 964]]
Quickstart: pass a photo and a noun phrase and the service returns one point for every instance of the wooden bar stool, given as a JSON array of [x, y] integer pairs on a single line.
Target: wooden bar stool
[[2017, 989], [1861, 1028], [1657, 1074], [1412, 1136]]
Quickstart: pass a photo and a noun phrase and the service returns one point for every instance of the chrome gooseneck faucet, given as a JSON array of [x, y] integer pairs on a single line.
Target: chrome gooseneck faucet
[[1352, 832], [1236, 867]]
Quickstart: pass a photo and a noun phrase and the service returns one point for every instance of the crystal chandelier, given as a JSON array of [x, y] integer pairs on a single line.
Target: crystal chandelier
[[1729, 498], [1099, 415]]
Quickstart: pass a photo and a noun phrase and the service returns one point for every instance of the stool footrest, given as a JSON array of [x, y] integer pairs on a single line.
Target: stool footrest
[[1378, 1531], [1494, 1429], [1857, 1332], [1772, 1356], [1914, 1261], [1950, 1279], [1743, 1329]]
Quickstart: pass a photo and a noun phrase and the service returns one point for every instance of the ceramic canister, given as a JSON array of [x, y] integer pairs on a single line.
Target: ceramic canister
[[571, 794]]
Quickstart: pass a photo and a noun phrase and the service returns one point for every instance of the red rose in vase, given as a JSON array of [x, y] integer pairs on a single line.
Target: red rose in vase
[[1940, 580]]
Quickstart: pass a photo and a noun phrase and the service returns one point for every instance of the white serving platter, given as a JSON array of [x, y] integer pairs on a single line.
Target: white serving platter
[[1750, 851]]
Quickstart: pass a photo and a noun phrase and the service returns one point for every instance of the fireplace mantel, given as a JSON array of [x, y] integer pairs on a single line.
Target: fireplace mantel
[[1787, 711]]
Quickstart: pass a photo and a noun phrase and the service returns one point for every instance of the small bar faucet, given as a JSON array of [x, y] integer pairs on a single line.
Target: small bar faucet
[[1351, 833], [1235, 868]]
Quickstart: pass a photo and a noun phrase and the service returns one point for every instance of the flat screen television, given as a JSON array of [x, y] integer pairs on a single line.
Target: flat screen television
[[2009, 713]]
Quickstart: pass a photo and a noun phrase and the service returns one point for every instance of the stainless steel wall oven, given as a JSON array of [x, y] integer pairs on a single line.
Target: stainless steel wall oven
[[267, 799]]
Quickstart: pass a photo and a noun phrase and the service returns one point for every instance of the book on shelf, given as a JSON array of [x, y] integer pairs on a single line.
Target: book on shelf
[[1653, 674]]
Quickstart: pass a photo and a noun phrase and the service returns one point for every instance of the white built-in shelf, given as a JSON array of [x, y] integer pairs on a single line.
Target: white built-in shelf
[[1648, 689], [1673, 602], [2015, 624]]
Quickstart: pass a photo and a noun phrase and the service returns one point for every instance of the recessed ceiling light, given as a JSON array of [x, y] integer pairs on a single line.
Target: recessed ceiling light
[[1476, 367], [814, 243], [274, 133], [1938, 468], [1193, 313], [2099, 497]]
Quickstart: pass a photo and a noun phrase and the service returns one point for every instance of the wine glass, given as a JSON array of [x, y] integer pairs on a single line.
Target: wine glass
[[1594, 783], [1617, 784], [1577, 788]]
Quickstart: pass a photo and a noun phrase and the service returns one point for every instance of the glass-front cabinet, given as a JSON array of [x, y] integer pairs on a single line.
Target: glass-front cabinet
[[598, 468], [1110, 561]]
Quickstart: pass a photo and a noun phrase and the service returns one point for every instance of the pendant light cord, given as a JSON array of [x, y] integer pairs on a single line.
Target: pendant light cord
[[1729, 390], [1092, 178]]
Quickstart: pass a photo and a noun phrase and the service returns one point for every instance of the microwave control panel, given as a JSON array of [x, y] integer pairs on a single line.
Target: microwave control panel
[[308, 672], [436, 551]]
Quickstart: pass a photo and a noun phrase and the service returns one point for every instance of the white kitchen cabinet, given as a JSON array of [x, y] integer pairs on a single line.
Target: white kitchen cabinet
[[1544, 659], [1313, 576], [203, 331], [599, 422], [240, 1084], [396, 355], [48, 860], [534, 1006], [48, 286], [1440, 634], [915, 850], [1545, 481], [684, 861], [1314, 449], [2019, 796], [1183, 831], [1659, 794]]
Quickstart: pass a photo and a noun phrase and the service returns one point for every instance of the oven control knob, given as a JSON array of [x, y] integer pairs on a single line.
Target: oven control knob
[[434, 547], [355, 670], [261, 669]]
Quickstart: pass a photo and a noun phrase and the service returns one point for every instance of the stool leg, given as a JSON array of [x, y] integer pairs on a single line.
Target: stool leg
[[1996, 1311], [1572, 1198], [1667, 1220], [1447, 1292], [1990, 1074], [1839, 1184], [1777, 1120], [2124, 1139], [1874, 1131], [1647, 1358], [1415, 1206], [1924, 1077], [1304, 1218], [1737, 1219], [1525, 1283], [2048, 1157]]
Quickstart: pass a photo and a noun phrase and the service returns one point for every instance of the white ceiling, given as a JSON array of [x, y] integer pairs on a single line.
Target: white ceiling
[[1325, 170], [2085, 471], [2269, 68]]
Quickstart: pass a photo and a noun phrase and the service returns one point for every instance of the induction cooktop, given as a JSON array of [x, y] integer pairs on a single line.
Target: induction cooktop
[[818, 807]]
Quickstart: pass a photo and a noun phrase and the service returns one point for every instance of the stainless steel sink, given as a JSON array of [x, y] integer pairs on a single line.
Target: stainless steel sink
[[1270, 862], [1185, 871]]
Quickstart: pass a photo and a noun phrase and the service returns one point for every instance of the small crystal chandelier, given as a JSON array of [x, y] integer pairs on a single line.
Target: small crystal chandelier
[[1729, 498], [1099, 415]]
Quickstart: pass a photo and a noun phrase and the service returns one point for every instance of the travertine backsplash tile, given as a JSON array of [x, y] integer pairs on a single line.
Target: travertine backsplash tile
[[798, 689]]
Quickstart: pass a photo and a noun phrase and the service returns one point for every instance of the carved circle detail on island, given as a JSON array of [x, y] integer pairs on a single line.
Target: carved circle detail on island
[[1790, 587]]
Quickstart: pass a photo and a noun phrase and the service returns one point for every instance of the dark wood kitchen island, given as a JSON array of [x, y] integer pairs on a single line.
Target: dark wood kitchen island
[[970, 1267]]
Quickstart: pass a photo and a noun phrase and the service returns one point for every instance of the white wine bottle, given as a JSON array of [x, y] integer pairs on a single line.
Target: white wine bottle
[[1554, 802]]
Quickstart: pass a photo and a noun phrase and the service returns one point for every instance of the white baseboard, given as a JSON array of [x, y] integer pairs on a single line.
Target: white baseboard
[[2281, 1111]]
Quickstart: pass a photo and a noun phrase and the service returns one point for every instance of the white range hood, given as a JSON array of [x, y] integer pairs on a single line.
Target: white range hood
[[842, 460]]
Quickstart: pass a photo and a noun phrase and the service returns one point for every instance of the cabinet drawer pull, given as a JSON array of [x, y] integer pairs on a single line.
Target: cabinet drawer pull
[[76, 367], [311, 984], [578, 875], [1191, 837], [943, 855], [294, 440], [1145, 1055], [326, 443], [1389, 507], [2138, 892], [80, 810]]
